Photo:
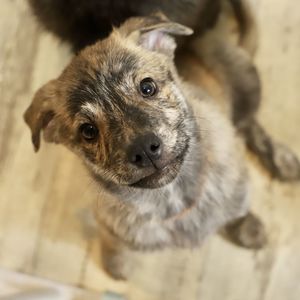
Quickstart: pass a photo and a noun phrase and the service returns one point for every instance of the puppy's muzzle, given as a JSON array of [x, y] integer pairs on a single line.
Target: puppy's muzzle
[[146, 151]]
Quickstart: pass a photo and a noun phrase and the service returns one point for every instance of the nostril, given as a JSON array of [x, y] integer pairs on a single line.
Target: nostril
[[138, 158], [154, 147]]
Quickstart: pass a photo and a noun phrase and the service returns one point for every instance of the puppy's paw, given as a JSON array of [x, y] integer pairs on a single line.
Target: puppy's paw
[[114, 271], [286, 163], [247, 232]]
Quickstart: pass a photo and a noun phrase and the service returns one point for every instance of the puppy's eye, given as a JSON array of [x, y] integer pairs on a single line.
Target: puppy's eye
[[89, 131], [147, 87]]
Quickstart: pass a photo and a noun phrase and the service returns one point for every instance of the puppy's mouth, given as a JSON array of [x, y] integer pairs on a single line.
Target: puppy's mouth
[[162, 176]]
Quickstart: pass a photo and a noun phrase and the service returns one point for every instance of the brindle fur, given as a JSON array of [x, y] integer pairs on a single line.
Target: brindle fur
[[204, 185]]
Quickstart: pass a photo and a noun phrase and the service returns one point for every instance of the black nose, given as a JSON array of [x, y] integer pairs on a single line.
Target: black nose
[[145, 151]]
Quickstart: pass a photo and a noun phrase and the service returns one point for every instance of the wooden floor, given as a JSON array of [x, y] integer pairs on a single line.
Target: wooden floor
[[44, 197]]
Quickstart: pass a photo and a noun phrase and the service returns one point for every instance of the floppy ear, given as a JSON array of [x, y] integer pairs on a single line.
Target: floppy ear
[[40, 115], [154, 32]]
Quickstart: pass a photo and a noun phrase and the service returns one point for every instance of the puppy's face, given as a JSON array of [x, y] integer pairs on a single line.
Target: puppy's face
[[118, 105]]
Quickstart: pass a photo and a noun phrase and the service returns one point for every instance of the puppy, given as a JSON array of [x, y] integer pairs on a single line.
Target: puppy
[[169, 164]]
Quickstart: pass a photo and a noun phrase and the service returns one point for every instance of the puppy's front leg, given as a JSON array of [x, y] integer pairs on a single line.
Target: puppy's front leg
[[112, 255], [247, 232]]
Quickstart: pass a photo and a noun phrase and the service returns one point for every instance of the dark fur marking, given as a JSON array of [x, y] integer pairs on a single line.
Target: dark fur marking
[[136, 116], [103, 89]]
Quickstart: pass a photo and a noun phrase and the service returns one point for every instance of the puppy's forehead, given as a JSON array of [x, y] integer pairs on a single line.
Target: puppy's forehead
[[100, 78]]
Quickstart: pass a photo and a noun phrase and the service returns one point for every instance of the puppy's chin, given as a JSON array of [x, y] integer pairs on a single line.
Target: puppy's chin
[[160, 178]]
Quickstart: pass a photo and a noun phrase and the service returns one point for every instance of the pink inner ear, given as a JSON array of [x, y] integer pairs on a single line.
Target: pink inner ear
[[48, 130], [51, 132], [158, 41]]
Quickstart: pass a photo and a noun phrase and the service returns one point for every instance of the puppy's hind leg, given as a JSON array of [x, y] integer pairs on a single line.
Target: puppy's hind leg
[[233, 68], [241, 80]]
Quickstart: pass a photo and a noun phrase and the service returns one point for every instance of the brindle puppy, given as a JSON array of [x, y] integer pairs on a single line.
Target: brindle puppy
[[168, 161]]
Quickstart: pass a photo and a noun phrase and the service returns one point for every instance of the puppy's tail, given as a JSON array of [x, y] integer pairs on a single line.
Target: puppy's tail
[[247, 25]]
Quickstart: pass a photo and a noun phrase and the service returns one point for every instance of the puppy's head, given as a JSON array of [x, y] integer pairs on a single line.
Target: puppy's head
[[119, 106]]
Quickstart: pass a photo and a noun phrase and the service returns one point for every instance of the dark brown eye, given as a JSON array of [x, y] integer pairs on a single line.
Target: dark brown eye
[[89, 131], [148, 87]]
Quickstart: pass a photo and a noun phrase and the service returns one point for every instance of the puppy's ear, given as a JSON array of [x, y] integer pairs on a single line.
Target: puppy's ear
[[40, 115], [154, 32]]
